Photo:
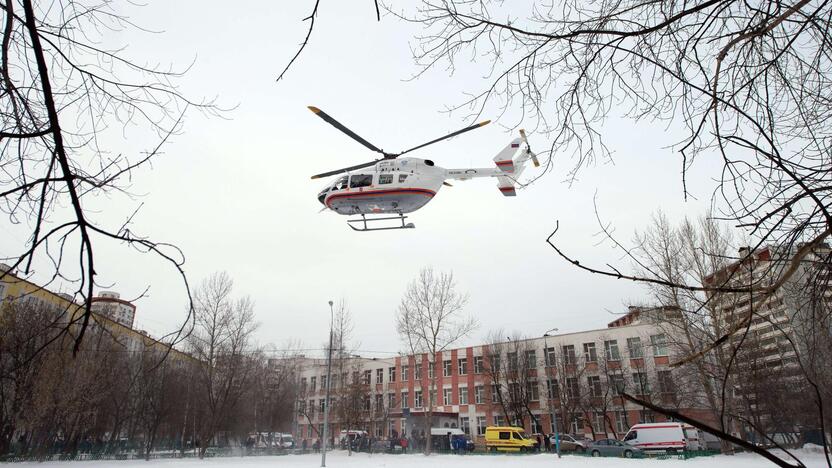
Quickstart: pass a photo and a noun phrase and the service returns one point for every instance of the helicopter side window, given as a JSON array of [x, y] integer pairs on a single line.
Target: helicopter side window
[[340, 184], [402, 177], [361, 180], [385, 178]]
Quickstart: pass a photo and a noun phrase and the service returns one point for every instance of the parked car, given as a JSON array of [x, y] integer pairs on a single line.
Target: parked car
[[440, 440], [507, 439], [666, 436], [613, 448], [569, 443]]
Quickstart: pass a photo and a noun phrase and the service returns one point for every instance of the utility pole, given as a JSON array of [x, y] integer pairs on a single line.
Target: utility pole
[[328, 384], [548, 390]]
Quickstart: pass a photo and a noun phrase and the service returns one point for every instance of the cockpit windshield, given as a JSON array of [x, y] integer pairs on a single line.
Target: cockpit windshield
[[340, 184]]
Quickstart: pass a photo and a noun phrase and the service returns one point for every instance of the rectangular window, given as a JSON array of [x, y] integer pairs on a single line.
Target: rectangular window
[[391, 374], [402, 178], [551, 356], [361, 180], [634, 348], [463, 395], [642, 386], [417, 372], [594, 386], [536, 429], [621, 425], [379, 403], [481, 425], [659, 345], [368, 377], [446, 368], [478, 364], [322, 405], [405, 400], [569, 355], [465, 425], [572, 389], [611, 350], [301, 407], [446, 396], [512, 362], [312, 382], [552, 389], [616, 382], [494, 397], [577, 425], [494, 363], [379, 376], [431, 366], [405, 371], [385, 179], [462, 366], [417, 396], [599, 423], [590, 354], [432, 400], [531, 359], [666, 382], [532, 391], [478, 393], [323, 382], [311, 408], [499, 420], [303, 385], [391, 400]]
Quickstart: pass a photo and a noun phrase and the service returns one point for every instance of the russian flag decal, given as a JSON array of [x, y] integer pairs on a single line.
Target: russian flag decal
[[515, 145]]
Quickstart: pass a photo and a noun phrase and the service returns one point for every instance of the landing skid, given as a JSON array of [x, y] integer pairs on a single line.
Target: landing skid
[[364, 227]]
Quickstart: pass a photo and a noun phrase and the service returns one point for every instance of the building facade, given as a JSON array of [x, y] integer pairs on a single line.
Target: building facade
[[574, 378], [110, 304]]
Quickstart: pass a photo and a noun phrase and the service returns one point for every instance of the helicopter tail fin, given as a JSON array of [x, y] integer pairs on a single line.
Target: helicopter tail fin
[[505, 158], [512, 161], [506, 186]]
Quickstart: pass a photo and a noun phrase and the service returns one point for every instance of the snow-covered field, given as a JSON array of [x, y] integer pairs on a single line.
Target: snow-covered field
[[340, 459]]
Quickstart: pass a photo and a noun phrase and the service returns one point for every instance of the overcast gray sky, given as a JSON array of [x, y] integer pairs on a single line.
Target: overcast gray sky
[[235, 193]]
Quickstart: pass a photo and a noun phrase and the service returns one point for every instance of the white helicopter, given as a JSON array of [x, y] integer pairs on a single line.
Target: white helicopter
[[398, 186]]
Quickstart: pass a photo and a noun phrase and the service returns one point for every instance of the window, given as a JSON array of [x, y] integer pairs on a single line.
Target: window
[[462, 366], [481, 425], [446, 368], [616, 382], [303, 385], [432, 398], [599, 422], [577, 424], [532, 391], [531, 359], [402, 177], [405, 371], [312, 382], [368, 376], [494, 396], [589, 352], [385, 179], [391, 400], [552, 389], [494, 362], [659, 345], [379, 376], [431, 366], [536, 429], [446, 396], [646, 416], [478, 364], [611, 350], [379, 402], [572, 389], [594, 386], [361, 180], [417, 396], [621, 425], [311, 408], [569, 355], [417, 372], [301, 407], [666, 382], [463, 395], [322, 404], [478, 391], [340, 184], [504, 435], [465, 425], [550, 356], [499, 420], [634, 347], [405, 400], [512, 361], [632, 435], [641, 384], [391, 374]]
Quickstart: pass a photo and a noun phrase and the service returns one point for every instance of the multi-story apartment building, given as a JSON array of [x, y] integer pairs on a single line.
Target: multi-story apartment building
[[111, 305], [573, 376]]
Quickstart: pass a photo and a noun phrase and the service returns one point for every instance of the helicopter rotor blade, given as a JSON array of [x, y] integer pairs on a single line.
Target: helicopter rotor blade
[[450, 135], [344, 129], [346, 169]]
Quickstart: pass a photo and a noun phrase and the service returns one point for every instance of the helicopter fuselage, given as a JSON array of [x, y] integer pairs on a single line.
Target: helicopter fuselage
[[396, 186]]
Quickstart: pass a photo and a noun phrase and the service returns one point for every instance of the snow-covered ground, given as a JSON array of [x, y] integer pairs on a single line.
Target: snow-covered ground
[[339, 459]]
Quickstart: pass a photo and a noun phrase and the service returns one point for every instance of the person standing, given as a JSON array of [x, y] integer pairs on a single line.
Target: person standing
[[547, 443]]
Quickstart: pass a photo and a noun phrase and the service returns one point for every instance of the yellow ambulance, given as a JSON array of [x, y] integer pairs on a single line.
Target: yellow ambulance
[[507, 439]]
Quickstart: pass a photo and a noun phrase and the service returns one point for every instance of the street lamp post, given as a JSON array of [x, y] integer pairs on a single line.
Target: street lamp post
[[548, 390], [328, 384]]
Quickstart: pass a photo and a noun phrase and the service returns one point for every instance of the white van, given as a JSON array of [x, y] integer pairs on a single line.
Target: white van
[[658, 436]]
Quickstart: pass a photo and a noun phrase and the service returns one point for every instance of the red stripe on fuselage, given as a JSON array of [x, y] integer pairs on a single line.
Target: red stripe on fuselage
[[415, 191], [504, 163]]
